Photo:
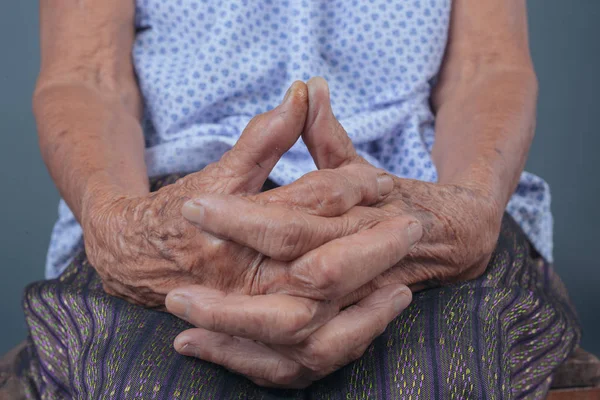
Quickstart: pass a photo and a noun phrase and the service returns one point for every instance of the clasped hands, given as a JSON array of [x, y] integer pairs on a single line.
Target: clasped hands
[[289, 285]]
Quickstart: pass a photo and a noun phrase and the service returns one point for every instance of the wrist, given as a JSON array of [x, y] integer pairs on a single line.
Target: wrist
[[482, 181], [100, 195]]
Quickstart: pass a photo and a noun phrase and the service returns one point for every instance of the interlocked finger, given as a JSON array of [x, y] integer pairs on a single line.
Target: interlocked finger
[[332, 192], [272, 318]]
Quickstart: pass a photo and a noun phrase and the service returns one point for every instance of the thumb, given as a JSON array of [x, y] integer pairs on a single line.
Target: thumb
[[324, 136], [266, 138]]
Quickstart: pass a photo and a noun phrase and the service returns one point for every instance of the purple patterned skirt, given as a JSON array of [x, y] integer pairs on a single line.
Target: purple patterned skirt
[[498, 337]]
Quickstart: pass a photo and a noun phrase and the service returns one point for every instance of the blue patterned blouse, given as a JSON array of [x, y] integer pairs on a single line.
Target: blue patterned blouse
[[207, 67]]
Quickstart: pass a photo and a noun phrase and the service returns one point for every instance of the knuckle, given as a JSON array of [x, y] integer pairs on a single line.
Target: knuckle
[[277, 196], [326, 276], [213, 317], [295, 331], [341, 185], [317, 188], [336, 199], [329, 191], [189, 183], [298, 323], [356, 171], [364, 181]]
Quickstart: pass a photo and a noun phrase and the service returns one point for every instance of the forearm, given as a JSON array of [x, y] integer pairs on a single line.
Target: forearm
[[486, 98], [484, 129], [87, 102], [90, 143]]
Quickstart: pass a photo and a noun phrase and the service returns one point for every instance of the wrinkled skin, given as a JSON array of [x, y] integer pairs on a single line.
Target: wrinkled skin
[[460, 224], [142, 247]]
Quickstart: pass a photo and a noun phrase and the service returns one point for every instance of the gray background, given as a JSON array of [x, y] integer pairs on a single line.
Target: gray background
[[564, 41]]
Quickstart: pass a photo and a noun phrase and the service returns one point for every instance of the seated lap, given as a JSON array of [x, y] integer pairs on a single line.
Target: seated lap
[[501, 335]]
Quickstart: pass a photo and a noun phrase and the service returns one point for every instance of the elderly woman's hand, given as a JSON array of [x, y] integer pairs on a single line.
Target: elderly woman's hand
[[239, 335], [143, 247], [460, 228], [460, 220]]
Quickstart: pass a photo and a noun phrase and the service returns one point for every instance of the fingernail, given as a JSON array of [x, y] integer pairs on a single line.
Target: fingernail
[[193, 211], [386, 184], [287, 94], [188, 350], [402, 299], [178, 304], [318, 81], [415, 233], [181, 343]]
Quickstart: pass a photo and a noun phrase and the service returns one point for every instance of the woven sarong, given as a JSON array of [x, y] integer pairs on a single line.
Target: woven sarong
[[498, 337]]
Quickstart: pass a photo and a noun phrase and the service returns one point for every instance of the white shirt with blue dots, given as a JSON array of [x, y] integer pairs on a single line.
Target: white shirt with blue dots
[[206, 68]]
